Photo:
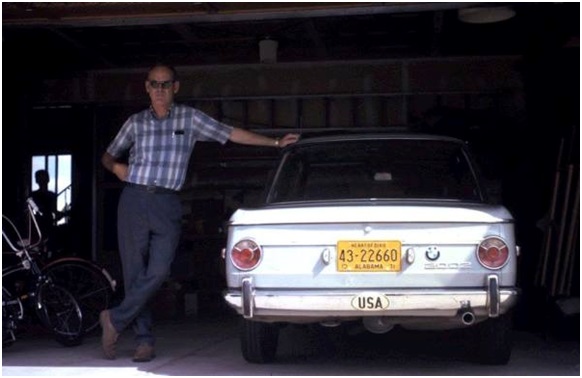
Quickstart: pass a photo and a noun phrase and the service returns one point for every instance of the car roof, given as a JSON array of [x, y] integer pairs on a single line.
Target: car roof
[[309, 139]]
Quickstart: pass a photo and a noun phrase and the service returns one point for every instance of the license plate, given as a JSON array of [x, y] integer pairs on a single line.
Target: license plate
[[369, 256]]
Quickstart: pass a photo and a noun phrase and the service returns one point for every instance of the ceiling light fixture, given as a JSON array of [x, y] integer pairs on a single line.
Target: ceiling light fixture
[[268, 50], [485, 15]]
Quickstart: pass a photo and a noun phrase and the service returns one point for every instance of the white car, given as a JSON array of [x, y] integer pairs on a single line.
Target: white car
[[385, 229]]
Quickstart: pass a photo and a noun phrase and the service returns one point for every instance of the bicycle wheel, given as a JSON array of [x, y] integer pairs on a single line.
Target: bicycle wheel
[[60, 313], [12, 313], [91, 285]]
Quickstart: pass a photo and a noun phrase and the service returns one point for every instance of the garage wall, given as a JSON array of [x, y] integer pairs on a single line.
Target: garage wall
[[480, 99], [393, 92], [466, 97]]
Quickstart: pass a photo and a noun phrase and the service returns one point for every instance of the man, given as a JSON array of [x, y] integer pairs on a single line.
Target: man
[[160, 141], [46, 200]]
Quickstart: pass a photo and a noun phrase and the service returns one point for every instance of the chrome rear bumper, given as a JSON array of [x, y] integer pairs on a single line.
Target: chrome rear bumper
[[491, 301]]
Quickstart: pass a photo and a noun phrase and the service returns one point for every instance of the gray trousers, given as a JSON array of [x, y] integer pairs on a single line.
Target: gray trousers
[[148, 227]]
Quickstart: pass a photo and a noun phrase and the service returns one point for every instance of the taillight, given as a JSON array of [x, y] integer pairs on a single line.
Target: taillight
[[246, 254], [493, 253]]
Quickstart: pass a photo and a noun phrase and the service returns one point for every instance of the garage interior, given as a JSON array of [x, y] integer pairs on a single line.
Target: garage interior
[[502, 76]]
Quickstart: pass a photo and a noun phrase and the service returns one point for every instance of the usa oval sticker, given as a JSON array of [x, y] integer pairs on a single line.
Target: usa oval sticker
[[370, 302]]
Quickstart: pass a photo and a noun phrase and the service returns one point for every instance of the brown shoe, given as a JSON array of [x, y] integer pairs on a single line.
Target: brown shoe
[[109, 335], [144, 353]]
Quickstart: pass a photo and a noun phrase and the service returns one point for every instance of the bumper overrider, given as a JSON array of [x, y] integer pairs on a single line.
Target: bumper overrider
[[491, 301]]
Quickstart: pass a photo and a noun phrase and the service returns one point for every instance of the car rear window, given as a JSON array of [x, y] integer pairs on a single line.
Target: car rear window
[[381, 169]]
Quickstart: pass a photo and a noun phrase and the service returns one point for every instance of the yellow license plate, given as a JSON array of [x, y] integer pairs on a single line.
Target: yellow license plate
[[369, 256]]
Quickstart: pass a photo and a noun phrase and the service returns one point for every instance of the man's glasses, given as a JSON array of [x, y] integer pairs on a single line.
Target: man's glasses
[[161, 84]]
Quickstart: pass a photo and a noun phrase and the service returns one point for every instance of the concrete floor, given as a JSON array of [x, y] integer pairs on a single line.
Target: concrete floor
[[209, 346]]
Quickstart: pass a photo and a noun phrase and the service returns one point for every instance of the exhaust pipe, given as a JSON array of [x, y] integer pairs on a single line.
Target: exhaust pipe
[[468, 317], [466, 313]]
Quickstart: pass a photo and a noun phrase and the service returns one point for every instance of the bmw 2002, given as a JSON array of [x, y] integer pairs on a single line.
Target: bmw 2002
[[385, 229]]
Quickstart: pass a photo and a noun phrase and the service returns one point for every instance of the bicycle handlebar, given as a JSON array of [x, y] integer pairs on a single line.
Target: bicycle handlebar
[[32, 205], [32, 210]]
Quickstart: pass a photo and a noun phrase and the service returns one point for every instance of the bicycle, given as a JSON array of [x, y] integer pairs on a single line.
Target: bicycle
[[91, 284], [25, 286]]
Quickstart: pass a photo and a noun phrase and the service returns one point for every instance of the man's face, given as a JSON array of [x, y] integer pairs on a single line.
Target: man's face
[[161, 86]]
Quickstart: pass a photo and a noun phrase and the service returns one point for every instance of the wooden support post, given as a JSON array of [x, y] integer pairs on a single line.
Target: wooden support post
[[574, 224], [542, 268], [559, 246], [272, 114], [355, 104], [299, 119], [245, 113], [327, 111]]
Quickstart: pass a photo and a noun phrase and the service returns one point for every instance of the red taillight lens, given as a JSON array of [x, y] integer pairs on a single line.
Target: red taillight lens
[[493, 253], [246, 254]]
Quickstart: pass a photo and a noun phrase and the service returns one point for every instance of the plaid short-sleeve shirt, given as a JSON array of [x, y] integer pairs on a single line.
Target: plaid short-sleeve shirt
[[160, 149]]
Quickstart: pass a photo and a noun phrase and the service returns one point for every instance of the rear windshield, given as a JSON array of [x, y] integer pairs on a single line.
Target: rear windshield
[[381, 169]]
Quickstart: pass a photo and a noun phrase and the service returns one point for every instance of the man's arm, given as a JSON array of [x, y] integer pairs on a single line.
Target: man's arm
[[118, 169], [242, 136]]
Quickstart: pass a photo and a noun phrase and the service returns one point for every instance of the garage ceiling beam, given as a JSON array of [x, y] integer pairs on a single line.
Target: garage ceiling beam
[[124, 14]]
